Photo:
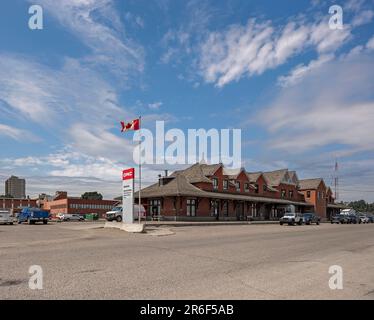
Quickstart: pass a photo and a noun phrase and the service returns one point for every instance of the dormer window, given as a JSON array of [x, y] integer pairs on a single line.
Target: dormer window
[[246, 187], [215, 183], [237, 186], [225, 184], [283, 193]]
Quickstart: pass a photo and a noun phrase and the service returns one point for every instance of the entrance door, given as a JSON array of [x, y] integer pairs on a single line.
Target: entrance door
[[239, 211]]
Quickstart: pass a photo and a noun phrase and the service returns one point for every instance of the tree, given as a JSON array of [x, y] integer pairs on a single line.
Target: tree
[[362, 206], [92, 196]]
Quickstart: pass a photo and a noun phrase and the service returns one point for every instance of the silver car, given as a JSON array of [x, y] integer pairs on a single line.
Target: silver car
[[70, 217], [6, 217]]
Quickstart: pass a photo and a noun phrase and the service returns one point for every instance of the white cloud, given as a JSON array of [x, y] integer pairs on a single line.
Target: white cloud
[[331, 105], [370, 44], [302, 70], [155, 106], [17, 134], [97, 24], [363, 17], [258, 46]]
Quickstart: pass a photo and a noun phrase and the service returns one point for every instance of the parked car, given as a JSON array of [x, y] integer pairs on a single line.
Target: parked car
[[291, 218], [353, 218], [5, 217], [370, 218], [340, 218], [309, 218], [363, 218], [70, 217], [116, 213], [32, 215]]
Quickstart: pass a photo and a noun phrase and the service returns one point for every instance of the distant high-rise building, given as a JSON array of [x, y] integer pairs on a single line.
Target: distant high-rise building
[[15, 187]]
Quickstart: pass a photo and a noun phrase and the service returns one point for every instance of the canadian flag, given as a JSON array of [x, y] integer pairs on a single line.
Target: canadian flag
[[133, 125]]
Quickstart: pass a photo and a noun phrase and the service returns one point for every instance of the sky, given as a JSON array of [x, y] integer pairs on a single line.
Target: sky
[[302, 93]]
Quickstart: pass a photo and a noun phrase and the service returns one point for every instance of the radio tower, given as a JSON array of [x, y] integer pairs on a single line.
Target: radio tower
[[336, 180]]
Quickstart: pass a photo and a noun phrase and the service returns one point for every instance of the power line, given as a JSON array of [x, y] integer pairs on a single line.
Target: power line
[[348, 190]]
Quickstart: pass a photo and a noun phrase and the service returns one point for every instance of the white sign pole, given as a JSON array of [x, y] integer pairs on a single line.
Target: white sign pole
[[128, 178]]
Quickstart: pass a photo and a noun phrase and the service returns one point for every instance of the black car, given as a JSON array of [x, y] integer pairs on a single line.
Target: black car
[[340, 218], [352, 218], [310, 218]]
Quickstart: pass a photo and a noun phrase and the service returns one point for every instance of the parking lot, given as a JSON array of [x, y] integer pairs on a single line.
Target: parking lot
[[188, 262]]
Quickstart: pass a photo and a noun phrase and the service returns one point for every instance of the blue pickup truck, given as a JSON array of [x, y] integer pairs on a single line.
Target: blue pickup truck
[[32, 215]]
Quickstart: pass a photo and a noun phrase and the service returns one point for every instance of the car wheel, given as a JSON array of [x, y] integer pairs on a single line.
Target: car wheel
[[119, 219], [317, 223], [67, 219], [11, 223], [45, 221]]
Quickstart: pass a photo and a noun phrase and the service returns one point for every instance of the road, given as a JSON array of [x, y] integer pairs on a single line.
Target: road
[[199, 262]]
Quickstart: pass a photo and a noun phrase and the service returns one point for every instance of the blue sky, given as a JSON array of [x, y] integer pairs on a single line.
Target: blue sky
[[301, 93]]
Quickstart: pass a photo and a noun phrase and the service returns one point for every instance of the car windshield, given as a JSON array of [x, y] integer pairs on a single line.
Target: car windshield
[[117, 209], [289, 214]]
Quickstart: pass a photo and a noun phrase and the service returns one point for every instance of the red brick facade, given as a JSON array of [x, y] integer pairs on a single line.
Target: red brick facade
[[64, 204]]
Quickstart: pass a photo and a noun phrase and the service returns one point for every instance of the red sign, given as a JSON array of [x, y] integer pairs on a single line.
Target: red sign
[[128, 174]]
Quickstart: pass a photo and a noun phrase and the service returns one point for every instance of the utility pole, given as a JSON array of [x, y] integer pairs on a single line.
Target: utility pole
[[336, 180]]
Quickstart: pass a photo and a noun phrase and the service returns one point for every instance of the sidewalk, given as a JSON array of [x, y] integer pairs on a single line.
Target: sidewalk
[[205, 223]]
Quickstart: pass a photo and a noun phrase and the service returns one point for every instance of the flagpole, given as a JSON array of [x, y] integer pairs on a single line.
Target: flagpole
[[140, 168]]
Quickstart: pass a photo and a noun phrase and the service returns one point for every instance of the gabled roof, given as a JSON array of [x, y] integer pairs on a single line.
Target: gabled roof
[[210, 169], [232, 173], [254, 176], [293, 176], [312, 184], [195, 173], [176, 187], [274, 178]]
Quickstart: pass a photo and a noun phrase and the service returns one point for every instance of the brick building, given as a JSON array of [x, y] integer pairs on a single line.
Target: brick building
[[14, 203], [208, 192], [320, 196], [61, 203]]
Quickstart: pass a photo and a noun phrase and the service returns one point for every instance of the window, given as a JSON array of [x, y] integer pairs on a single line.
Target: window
[[214, 208], [246, 187], [256, 188], [154, 207], [264, 188], [237, 185], [191, 207], [308, 194], [290, 194], [319, 195], [225, 184], [215, 183], [283, 193]]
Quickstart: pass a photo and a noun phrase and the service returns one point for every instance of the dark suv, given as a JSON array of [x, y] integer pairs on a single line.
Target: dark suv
[[310, 218], [340, 218]]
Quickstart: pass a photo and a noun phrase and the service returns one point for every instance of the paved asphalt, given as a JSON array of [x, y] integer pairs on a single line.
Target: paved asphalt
[[200, 262]]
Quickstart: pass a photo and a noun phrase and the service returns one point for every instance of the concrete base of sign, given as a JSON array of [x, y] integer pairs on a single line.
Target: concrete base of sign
[[129, 227]]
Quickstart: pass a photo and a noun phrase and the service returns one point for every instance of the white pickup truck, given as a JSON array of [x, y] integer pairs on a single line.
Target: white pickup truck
[[5, 217], [116, 213]]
